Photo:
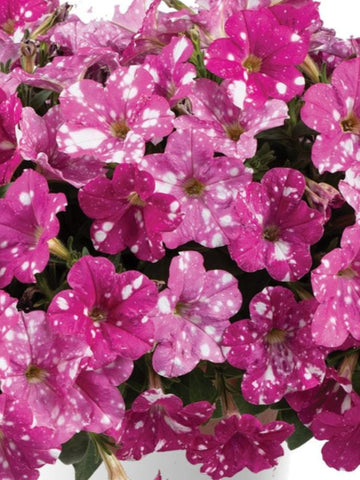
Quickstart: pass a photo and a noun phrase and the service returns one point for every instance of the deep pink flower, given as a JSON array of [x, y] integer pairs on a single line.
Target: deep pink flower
[[106, 309], [275, 347], [110, 121], [192, 314], [159, 422], [204, 185], [17, 13], [27, 222], [260, 53], [337, 120], [38, 143], [239, 442], [41, 368], [277, 227], [350, 189], [231, 130], [128, 213], [336, 286], [23, 447]]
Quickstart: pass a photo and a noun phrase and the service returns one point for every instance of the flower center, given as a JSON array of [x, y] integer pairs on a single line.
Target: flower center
[[35, 374], [9, 26], [234, 131], [252, 63], [135, 200], [351, 124], [180, 308], [97, 314], [271, 233], [348, 272], [120, 129], [275, 336], [193, 187]]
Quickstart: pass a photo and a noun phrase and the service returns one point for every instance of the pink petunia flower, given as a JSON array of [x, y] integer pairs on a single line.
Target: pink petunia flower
[[27, 222], [110, 121], [259, 53], [277, 227], [336, 286], [337, 147], [239, 442], [128, 213], [18, 13], [159, 422], [350, 189], [106, 309], [192, 314], [231, 130], [204, 185], [275, 347]]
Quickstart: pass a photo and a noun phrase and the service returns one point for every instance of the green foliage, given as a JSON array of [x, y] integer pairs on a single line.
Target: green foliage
[[81, 452], [301, 434]]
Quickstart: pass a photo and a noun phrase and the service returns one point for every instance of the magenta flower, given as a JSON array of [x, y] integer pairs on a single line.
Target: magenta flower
[[266, 67], [192, 314], [231, 130], [17, 13], [239, 442], [336, 286], [107, 122], [337, 120], [38, 143], [41, 368], [275, 347], [128, 213], [106, 309], [204, 185], [350, 189], [160, 422], [23, 447], [27, 222], [277, 227]]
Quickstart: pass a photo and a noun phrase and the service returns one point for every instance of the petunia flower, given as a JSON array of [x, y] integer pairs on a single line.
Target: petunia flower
[[275, 347], [127, 212], [277, 227], [27, 223], [192, 314], [259, 53]]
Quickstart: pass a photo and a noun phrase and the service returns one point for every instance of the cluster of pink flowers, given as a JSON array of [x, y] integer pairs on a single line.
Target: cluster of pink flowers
[[179, 234]]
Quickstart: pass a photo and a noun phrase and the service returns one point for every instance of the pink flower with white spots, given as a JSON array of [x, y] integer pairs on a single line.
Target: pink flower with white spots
[[350, 189], [231, 130], [110, 121], [275, 347], [38, 143], [106, 309], [27, 222], [128, 213], [18, 13], [159, 422], [192, 314], [204, 185], [337, 147], [41, 368], [23, 447], [336, 286], [259, 53], [239, 442], [277, 227]]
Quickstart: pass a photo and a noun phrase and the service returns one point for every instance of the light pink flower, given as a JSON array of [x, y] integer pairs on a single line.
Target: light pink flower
[[239, 442], [128, 213], [192, 314], [275, 347], [337, 147], [106, 309], [204, 185], [336, 286], [260, 53], [159, 422], [27, 222]]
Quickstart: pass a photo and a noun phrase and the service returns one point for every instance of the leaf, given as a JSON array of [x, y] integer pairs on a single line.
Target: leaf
[[201, 387], [39, 99], [301, 434], [88, 464], [75, 449]]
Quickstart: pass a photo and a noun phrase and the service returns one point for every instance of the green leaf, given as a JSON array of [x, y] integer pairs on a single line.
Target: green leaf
[[301, 434], [39, 99], [201, 387], [74, 450], [88, 464]]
